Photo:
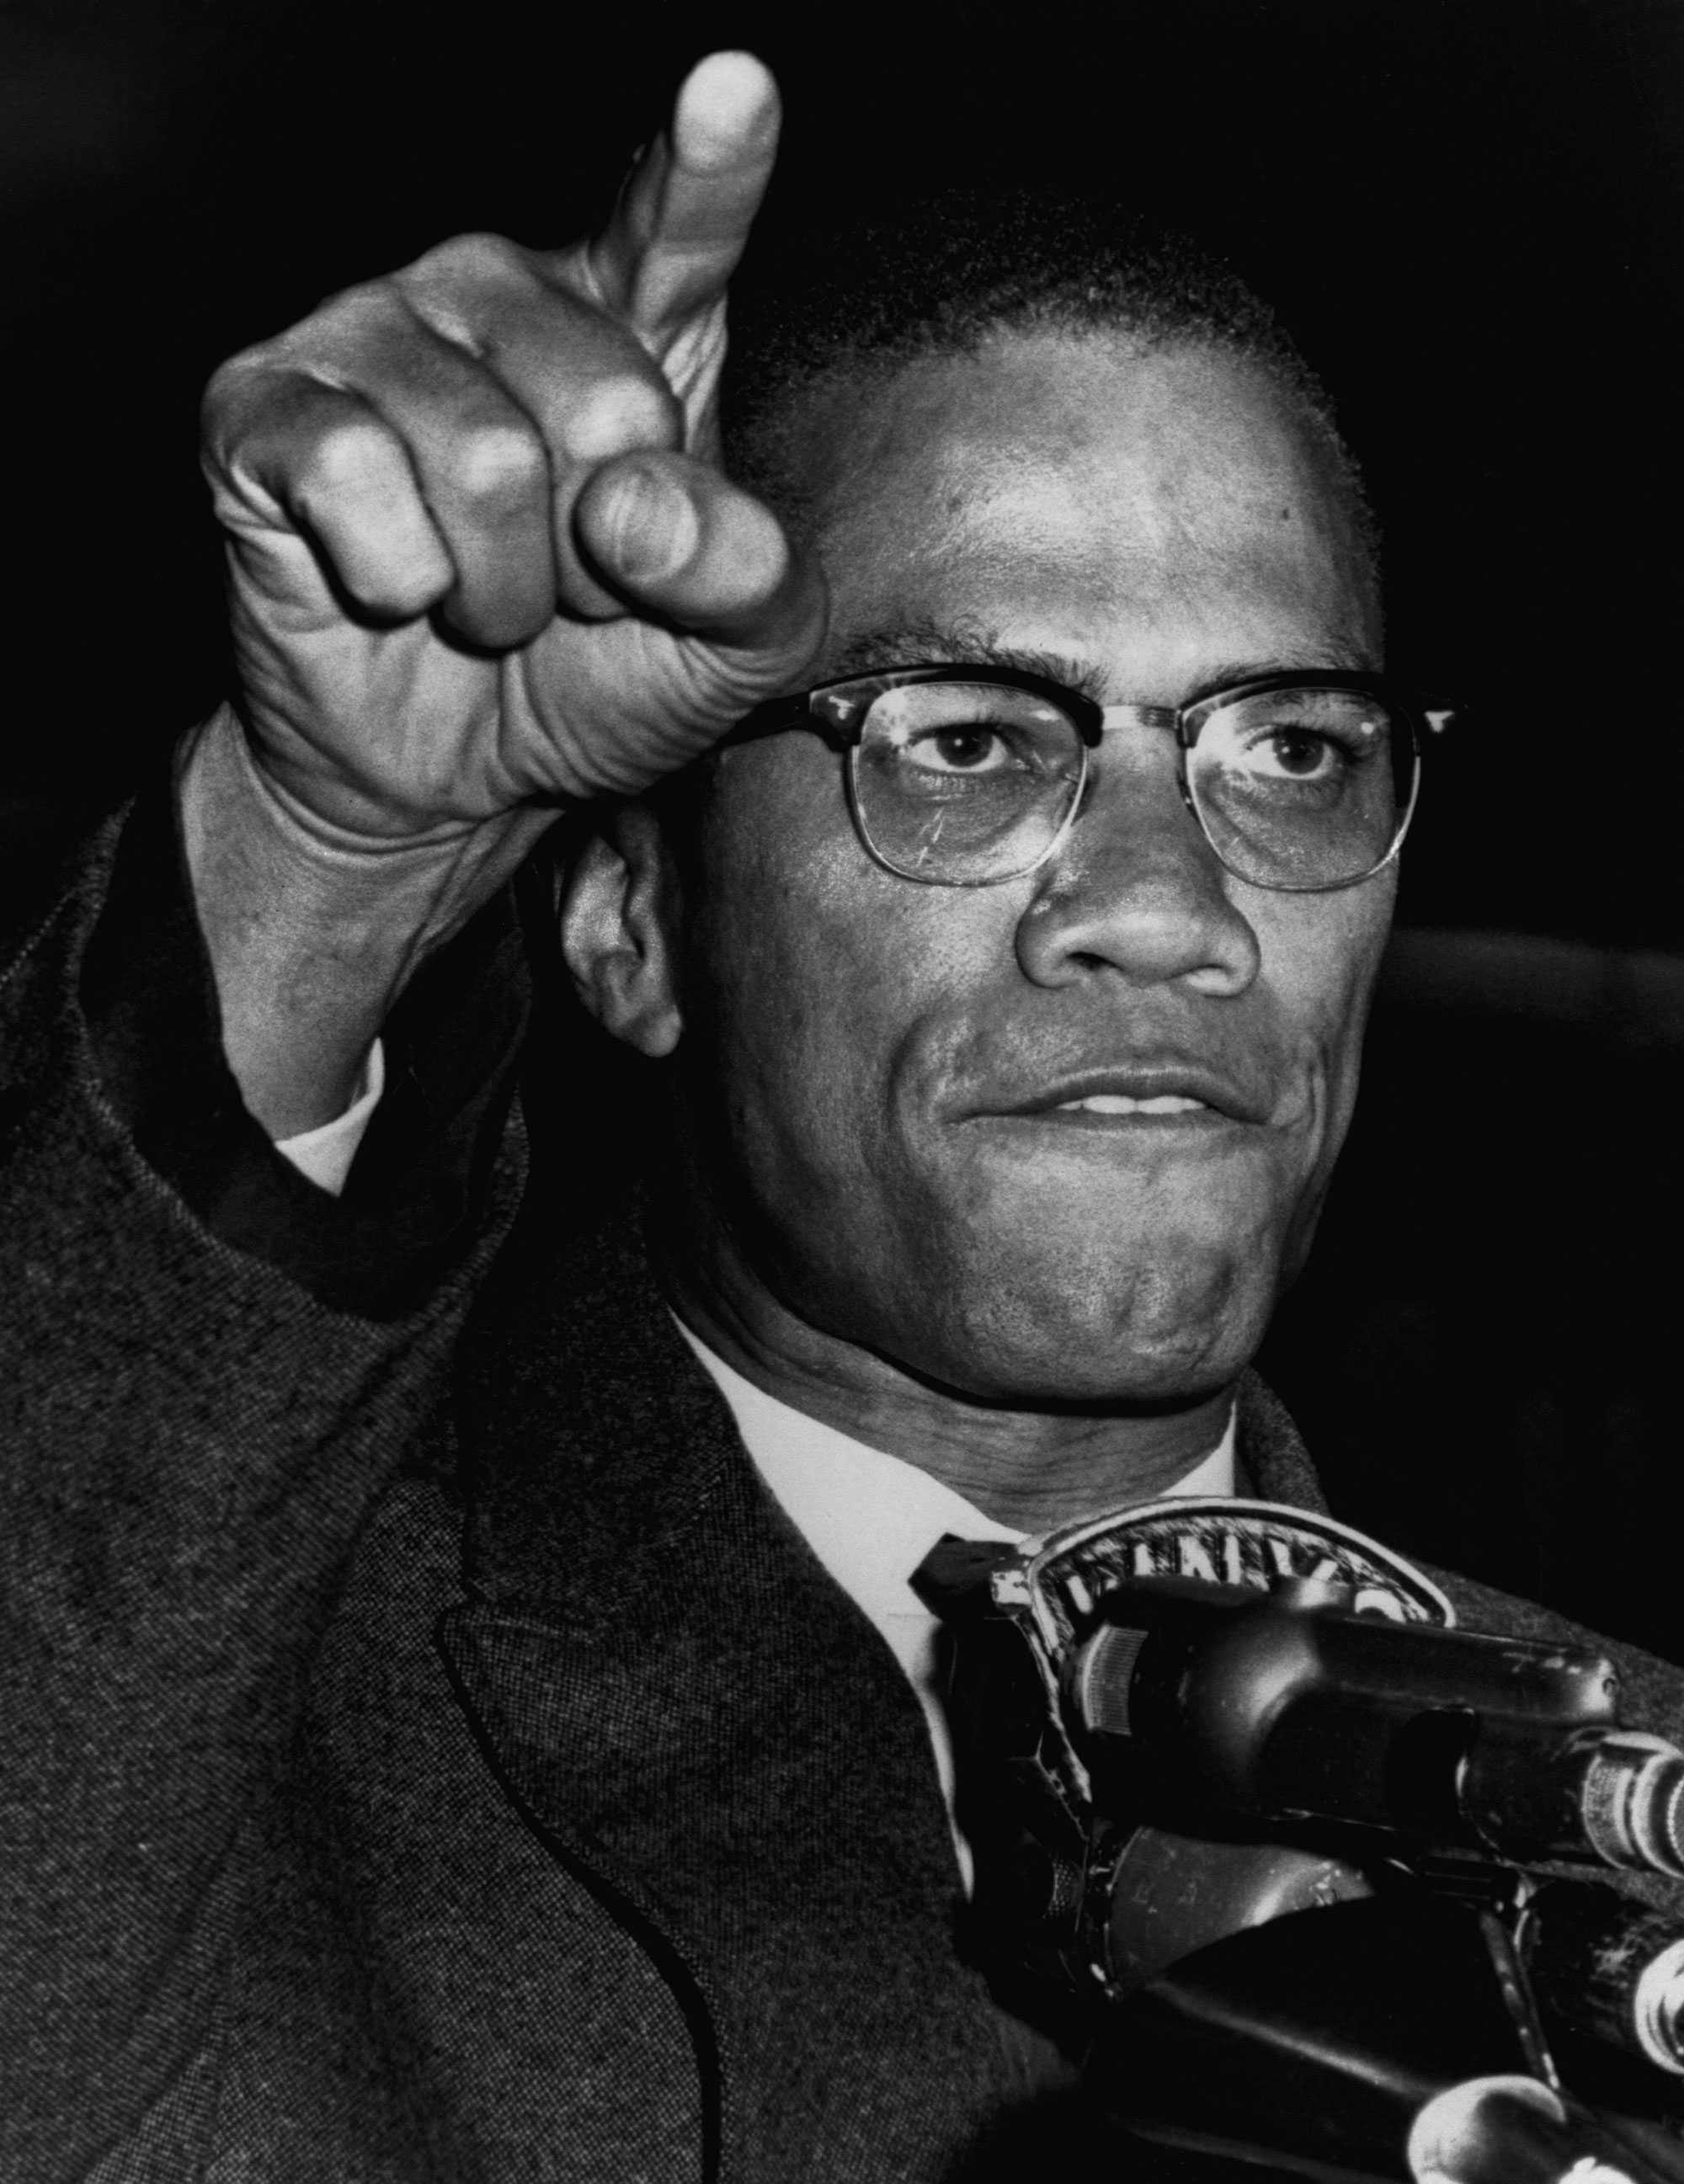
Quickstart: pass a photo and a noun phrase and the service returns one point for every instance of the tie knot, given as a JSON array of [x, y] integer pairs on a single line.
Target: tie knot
[[952, 1581]]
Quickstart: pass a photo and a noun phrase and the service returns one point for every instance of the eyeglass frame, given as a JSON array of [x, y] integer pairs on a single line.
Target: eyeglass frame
[[839, 721]]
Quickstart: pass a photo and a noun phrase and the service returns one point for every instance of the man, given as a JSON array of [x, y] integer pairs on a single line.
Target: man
[[491, 1758]]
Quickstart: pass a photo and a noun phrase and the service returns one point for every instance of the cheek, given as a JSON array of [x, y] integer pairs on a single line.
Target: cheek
[[800, 975], [835, 1000], [1320, 958]]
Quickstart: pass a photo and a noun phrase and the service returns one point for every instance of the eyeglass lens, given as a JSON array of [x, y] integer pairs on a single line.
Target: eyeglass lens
[[968, 783], [965, 781], [1302, 789]]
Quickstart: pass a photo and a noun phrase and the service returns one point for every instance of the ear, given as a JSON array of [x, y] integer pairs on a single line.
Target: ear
[[618, 921]]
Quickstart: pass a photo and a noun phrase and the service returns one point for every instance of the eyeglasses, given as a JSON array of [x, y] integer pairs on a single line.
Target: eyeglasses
[[965, 777]]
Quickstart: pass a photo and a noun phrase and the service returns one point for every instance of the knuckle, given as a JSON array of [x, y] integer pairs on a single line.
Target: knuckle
[[472, 258], [342, 321], [343, 457], [622, 411], [498, 464], [652, 402], [217, 406], [231, 390]]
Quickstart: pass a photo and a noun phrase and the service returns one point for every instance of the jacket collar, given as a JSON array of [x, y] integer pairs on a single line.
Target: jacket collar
[[1273, 1464]]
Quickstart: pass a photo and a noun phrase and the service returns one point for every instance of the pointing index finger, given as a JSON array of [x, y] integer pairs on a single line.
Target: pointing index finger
[[674, 238]]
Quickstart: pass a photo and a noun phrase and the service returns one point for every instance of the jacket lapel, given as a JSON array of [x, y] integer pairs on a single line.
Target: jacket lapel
[[691, 1714], [1273, 1464]]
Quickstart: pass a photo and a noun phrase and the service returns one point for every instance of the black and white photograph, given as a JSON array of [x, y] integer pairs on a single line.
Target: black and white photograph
[[730, 1451]]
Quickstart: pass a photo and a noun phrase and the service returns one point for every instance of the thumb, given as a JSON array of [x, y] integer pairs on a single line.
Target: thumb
[[682, 545]]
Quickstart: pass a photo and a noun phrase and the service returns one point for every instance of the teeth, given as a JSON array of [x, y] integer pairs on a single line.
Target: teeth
[[1119, 1103]]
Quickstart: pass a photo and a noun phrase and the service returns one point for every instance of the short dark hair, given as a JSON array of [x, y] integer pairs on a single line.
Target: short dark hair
[[828, 307]]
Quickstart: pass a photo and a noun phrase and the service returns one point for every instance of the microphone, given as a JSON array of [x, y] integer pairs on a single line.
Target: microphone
[[1607, 1967], [1261, 1851], [1217, 1701]]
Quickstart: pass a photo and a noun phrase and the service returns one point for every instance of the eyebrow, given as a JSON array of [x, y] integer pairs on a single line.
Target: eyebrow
[[919, 644], [1337, 659], [928, 644]]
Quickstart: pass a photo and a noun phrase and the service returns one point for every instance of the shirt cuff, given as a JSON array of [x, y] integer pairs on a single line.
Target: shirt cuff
[[324, 1155]]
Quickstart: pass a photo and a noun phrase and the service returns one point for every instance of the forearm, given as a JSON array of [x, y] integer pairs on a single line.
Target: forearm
[[192, 1436], [313, 939]]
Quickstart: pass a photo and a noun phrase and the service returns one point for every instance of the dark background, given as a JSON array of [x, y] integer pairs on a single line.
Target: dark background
[[1470, 212]]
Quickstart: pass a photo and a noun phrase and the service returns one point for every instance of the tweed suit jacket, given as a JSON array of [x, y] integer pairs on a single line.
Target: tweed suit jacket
[[432, 1754]]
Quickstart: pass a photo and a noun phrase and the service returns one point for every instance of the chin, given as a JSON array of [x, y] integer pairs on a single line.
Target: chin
[[1155, 1336]]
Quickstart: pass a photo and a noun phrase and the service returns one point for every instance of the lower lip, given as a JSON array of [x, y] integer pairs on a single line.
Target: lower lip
[[1085, 1119]]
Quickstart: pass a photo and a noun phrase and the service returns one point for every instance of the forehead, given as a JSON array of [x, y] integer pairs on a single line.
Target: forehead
[[1137, 512]]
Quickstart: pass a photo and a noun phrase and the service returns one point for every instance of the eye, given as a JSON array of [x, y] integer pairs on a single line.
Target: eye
[[1300, 754], [953, 738], [1304, 740], [965, 747]]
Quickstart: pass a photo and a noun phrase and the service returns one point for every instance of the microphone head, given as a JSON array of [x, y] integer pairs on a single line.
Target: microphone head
[[1632, 1798]]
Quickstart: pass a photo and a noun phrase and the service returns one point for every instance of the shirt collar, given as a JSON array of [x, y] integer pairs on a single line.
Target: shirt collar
[[872, 1518]]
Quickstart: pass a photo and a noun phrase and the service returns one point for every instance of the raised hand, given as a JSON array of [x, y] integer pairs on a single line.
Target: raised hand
[[482, 562], [480, 552]]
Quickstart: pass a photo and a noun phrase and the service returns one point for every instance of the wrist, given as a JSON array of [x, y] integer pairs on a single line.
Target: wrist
[[313, 933]]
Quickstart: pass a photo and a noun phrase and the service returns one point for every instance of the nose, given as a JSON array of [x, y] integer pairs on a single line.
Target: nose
[[1134, 888]]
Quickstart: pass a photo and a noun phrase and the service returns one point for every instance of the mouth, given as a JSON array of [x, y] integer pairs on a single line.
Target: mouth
[[1166, 1095], [1119, 1103]]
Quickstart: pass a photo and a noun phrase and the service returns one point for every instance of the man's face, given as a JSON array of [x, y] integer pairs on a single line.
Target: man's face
[[900, 1105]]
